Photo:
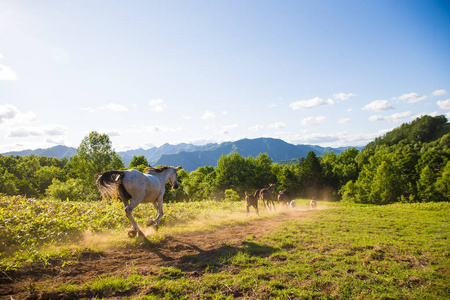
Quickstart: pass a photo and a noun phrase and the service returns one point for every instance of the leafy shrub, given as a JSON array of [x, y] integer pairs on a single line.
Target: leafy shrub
[[72, 189]]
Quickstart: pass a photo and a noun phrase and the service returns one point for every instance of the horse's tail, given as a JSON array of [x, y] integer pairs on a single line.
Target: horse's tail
[[108, 183]]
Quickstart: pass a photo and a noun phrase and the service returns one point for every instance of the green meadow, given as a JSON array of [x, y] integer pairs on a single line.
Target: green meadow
[[396, 251]]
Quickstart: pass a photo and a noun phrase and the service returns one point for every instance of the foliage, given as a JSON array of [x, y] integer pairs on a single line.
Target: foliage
[[139, 163], [231, 195], [408, 164], [28, 223]]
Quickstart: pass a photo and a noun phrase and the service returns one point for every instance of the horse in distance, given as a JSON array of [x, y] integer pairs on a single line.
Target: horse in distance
[[283, 198], [266, 195], [252, 200]]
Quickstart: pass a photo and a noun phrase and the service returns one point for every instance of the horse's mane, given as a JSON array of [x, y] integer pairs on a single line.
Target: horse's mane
[[157, 170]]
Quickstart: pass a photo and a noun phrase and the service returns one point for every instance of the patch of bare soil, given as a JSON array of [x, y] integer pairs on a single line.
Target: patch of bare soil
[[190, 252]]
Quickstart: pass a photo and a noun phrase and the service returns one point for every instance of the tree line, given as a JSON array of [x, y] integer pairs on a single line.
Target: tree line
[[409, 164]]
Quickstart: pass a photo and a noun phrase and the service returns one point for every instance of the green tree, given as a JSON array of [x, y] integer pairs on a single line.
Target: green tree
[[139, 163], [94, 155], [232, 172]]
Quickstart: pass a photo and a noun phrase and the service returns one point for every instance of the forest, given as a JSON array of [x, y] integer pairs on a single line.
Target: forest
[[411, 163]]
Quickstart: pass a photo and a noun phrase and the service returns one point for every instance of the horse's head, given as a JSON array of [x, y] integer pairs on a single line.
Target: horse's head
[[173, 178]]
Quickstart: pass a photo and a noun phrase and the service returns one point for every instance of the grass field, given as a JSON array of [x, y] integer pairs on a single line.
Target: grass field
[[399, 251]]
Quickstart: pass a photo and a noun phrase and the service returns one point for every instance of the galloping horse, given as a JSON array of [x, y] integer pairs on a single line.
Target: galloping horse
[[283, 198], [252, 200], [148, 187], [266, 196]]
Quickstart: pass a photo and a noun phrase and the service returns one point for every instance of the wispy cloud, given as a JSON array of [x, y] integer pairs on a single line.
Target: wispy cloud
[[9, 114], [207, 115], [116, 107], [313, 121], [439, 92], [378, 105], [226, 129], [49, 130], [256, 127], [445, 104], [311, 103], [397, 117], [344, 120], [343, 96], [410, 97], [111, 107], [157, 104], [277, 125], [6, 73]]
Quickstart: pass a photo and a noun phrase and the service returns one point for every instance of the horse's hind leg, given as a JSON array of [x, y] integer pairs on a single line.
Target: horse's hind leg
[[124, 195], [128, 211], [159, 213]]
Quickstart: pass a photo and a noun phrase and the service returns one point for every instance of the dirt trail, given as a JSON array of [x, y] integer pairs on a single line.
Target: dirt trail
[[190, 252]]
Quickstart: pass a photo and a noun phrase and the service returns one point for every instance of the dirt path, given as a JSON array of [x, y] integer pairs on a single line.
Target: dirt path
[[189, 252]]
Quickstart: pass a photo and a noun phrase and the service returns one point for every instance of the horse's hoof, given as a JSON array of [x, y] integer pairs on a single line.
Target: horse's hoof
[[132, 233]]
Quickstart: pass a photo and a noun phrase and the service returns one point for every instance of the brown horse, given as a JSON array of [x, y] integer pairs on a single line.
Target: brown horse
[[252, 200], [266, 195], [283, 198]]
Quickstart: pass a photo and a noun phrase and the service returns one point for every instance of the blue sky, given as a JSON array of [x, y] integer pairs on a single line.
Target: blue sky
[[329, 73]]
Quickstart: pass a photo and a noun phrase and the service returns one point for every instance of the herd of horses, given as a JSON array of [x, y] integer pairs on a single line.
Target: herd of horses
[[266, 195], [134, 187]]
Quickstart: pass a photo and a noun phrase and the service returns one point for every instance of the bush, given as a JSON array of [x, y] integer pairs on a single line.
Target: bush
[[72, 189], [231, 195]]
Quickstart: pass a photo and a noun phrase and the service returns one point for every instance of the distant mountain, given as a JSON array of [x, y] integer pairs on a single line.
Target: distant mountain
[[153, 154], [190, 157], [59, 151], [277, 149]]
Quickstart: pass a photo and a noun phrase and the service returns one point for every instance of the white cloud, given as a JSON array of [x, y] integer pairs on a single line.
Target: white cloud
[[397, 117], [155, 129], [116, 107], [378, 105], [226, 129], [6, 73], [376, 118], [208, 115], [440, 92], [411, 97], [277, 125], [313, 121], [343, 96], [49, 130], [344, 120], [337, 139], [111, 106], [445, 104], [9, 114], [311, 103], [256, 127], [157, 104]]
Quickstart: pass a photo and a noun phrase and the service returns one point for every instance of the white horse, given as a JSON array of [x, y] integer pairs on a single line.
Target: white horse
[[313, 203], [148, 187]]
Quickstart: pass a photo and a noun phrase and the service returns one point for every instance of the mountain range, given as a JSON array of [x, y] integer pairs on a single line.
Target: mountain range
[[190, 156]]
